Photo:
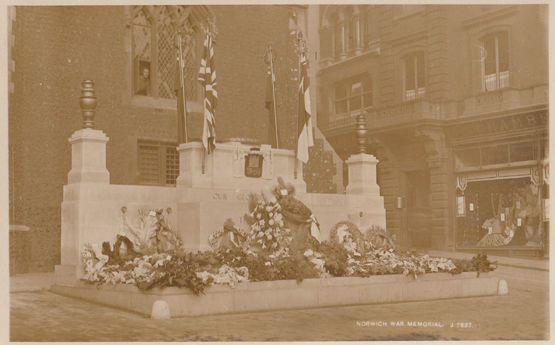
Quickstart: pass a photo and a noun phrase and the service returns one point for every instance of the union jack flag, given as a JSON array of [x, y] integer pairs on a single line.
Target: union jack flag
[[306, 138], [207, 77]]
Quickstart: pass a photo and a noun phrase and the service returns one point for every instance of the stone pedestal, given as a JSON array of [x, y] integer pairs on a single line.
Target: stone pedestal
[[88, 157], [88, 172], [209, 192], [225, 167], [362, 174]]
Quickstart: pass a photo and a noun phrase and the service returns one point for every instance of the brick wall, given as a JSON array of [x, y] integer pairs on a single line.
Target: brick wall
[[58, 47]]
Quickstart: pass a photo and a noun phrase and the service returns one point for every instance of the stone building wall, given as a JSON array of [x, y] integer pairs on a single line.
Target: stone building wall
[[58, 47], [450, 39]]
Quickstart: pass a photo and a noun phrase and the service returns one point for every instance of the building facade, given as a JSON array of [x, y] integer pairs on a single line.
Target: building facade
[[456, 102], [455, 99], [130, 52]]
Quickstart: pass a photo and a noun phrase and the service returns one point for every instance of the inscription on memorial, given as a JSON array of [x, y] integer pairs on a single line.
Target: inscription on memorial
[[230, 196]]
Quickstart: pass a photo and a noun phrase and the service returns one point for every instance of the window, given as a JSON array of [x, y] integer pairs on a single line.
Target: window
[[338, 38], [495, 61], [414, 81], [467, 158], [369, 27], [158, 163], [154, 50], [498, 154], [354, 33], [353, 94], [520, 152]]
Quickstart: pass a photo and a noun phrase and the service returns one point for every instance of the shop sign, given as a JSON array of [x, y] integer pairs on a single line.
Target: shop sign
[[499, 125]]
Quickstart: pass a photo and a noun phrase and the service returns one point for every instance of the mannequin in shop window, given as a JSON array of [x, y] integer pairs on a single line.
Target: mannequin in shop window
[[501, 227]]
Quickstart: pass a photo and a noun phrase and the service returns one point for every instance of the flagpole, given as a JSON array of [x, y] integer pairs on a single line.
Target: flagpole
[[274, 95], [298, 109], [204, 124], [182, 82]]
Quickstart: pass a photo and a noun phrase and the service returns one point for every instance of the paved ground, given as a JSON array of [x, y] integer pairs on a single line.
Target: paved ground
[[44, 316]]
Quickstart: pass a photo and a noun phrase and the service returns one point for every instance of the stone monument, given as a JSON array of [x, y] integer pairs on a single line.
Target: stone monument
[[209, 190]]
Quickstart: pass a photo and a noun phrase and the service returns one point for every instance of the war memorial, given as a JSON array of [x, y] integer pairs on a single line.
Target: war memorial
[[214, 192]]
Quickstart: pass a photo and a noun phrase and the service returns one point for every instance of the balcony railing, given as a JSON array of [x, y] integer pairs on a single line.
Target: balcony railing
[[491, 82], [391, 116], [411, 95], [420, 109], [338, 57]]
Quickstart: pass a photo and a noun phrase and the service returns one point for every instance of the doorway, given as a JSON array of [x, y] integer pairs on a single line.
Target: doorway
[[418, 208]]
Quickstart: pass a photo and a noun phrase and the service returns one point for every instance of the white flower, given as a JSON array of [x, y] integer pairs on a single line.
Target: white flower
[[271, 222], [204, 275], [308, 253], [268, 263]]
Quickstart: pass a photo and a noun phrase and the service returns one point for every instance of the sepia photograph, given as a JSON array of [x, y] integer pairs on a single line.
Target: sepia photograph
[[276, 172]]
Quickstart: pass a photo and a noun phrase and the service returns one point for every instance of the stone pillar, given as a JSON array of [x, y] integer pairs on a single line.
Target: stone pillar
[[389, 183], [441, 190], [190, 165], [362, 166], [362, 174], [440, 195], [88, 145], [88, 173]]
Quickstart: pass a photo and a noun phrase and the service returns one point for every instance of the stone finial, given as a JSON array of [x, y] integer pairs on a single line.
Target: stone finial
[[362, 130], [88, 103]]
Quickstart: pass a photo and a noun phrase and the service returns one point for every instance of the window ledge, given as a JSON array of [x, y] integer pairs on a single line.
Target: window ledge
[[500, 90], [163, 103], [373, 49]]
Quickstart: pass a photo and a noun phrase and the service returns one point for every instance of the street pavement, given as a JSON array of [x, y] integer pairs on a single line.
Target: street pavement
[[522, 315]]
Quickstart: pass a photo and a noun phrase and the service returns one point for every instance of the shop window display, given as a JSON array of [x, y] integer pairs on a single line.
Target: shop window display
[[505, 212]]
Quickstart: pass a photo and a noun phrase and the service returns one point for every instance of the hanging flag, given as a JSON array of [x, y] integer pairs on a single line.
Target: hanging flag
[[270, 100], [207, 77], [306, 138]]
